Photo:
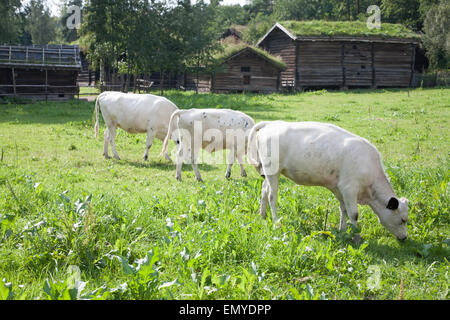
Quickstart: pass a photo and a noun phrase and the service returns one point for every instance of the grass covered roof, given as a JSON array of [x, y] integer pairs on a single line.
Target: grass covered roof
[[232, 49], [347, 28]]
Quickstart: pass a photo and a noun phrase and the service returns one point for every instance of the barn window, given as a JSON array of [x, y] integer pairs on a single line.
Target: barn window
[[245, 69], [246, 79]]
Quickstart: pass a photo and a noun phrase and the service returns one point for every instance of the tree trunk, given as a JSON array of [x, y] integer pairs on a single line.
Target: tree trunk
[[161, 82]]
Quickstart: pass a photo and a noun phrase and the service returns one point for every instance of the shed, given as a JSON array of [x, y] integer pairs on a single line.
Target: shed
[[241, 68], [39, 71], [342, 54]]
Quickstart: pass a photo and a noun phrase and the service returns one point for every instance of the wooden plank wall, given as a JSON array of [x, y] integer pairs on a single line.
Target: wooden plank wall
[[203, 84], [393, 64], [263, 75], [354, 64], [357, 64], [319, 64], [281, 45], [29, 81]]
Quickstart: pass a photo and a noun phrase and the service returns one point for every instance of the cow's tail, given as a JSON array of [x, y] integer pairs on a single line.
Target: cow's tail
[[96, 116], [172, 124], [252, 149]]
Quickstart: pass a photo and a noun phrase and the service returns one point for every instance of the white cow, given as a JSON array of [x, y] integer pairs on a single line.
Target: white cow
[[320, 154], [209, 129], [134, 113]]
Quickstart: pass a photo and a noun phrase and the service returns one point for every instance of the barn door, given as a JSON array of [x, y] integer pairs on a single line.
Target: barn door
[[358, 64]]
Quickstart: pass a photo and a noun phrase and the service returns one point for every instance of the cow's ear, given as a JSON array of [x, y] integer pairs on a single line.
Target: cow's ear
[[392, 204]]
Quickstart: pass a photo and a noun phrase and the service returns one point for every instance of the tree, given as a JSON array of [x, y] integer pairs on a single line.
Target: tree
[[198, 43], [405, 12], [66, 34], [437, 35], [10, 21], [39, 23]]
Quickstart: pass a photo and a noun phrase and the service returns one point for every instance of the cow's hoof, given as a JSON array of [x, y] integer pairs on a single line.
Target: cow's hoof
[[168, 158], [178, 178], [227, 176], [106, 156], [117, 157], [199, 179], [244, 174], [145, 158]]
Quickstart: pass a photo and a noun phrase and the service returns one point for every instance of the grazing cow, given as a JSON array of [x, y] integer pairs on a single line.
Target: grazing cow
[[134, 113], [209, 129], [320, 154]]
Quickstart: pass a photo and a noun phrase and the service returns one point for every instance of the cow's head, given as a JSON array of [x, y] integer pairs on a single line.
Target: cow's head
[[394, 216]]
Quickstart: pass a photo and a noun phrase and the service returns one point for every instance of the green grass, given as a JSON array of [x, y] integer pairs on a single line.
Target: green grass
[[89, 90], [347, 28], [74, 225]]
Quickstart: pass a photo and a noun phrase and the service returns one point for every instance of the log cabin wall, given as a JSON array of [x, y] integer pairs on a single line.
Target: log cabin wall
[[394, 64], [247, 72], [202, 83], [342, 61], [281, 45], [319, 64], [354, 64]]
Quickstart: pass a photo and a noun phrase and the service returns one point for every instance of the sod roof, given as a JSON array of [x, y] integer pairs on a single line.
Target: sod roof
[[331, 29], [231, 50]]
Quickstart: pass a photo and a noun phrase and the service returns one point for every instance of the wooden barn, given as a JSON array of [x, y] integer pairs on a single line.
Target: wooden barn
[[240, 68], [39, 72], [324, 54]]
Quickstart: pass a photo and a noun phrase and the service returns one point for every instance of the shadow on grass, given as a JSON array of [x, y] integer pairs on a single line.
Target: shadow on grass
[[408, 250], [165, 166]]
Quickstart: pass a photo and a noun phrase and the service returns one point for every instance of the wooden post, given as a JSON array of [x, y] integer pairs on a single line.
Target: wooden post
[[342, 64], [413, 62], [14, 81], [46, 84], [297, 69], [374, 82]]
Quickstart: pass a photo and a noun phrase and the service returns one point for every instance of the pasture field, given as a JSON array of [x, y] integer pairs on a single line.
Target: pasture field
[[76, 226]]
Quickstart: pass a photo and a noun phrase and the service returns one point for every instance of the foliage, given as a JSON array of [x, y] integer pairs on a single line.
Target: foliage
[[437, 35], [39, 23], [10, 26]]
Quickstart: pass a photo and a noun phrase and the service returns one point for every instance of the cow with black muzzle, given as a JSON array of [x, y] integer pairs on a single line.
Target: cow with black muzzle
[[321, 154]]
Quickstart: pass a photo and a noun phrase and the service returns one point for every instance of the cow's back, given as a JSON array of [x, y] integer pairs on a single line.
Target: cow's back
[[313, 153], [137, 113]]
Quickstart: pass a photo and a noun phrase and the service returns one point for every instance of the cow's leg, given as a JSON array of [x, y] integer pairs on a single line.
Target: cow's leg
[[264, 199], [105, 144], [150, 137], [240, 159], [112, 140], [351, 207], [231, 157], [166, 155], [180, 155], [194, 154], [272, 181], [343, 217], [342, 210]]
